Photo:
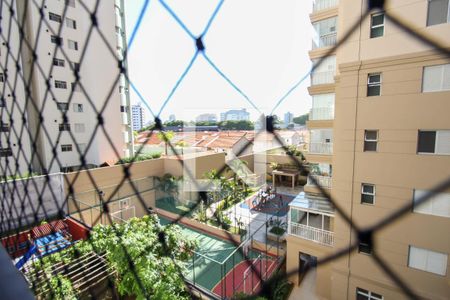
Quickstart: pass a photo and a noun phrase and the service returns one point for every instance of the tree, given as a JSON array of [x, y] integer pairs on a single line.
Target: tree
[[301, 120], [236, 125], [174, 123], [166, 137]]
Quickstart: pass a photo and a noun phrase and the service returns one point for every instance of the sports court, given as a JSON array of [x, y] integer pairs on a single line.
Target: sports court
[[218, 263]]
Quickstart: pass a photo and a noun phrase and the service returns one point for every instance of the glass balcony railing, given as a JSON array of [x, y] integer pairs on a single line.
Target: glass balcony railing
[[328, 40], [322, 77], [324, 4], [323, 181], [321, 148], [321, 113]]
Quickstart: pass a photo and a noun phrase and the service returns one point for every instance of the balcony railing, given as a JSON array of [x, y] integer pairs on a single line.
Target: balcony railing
[[321, 148], [324, 4], [323, 181], [320, 236], [321, 113], [325, 41], [322, 77]]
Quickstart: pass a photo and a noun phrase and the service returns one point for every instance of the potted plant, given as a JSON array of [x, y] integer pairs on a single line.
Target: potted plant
[[276, 230]]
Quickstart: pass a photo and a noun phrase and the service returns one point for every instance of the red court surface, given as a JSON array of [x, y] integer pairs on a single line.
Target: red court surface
[[252, 282]]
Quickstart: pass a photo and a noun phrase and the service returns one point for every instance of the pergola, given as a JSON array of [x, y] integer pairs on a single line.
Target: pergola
[[289, 173]]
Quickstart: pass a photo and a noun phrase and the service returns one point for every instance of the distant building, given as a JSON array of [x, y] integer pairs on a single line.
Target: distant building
[[172, 118], [235, 115], [288, 119], [137, 113], [206, 118]]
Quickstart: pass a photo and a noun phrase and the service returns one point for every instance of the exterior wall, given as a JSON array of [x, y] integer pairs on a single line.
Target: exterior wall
[[13, 95], [395, 168], [95, 88], [295, 246]]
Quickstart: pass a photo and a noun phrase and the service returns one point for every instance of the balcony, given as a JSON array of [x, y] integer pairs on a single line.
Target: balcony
[[321, 148], [321, 113], [325, 41], [312, 218], [320, 236], [322, 77], [324, 4], [323, 181]]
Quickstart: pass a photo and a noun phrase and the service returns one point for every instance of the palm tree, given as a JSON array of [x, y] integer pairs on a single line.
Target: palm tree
[[166, 137]]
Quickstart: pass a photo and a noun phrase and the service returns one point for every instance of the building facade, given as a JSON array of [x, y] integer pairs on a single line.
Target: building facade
[[288, 118], [379, 119], [235, 115], [60, 112], [137, 113], [206, 118]]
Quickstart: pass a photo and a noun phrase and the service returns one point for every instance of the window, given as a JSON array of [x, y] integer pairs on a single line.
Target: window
[[365, 247], [70, 3], [62, 106], [82, 147], [367, 193], [73, 45], [71, 23], [78, 107], [374, 85], [79, 127], [376, 25], [436, 78], [56, 40], [66, 148], [437, 205], [5, 152], [370, 140], [433, 142], [362, 294], [58, 62], [427, 260], [64, 127], [4, 127], [76, 66], [54, 17], [438, 12], [2, 77], [60, 84], [2, 102], [75, 87]]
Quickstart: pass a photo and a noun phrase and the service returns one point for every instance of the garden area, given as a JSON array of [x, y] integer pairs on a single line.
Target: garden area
[[224, 193]]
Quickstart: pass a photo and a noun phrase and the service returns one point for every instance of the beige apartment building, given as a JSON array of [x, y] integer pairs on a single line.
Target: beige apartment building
[[92, 56], [388, 119]]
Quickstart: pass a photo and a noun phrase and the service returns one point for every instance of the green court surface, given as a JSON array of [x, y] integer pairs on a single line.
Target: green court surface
[[207, 267]]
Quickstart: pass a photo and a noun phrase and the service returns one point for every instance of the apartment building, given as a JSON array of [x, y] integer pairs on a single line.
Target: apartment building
[[385, 112], [42, 81], [137, 113]]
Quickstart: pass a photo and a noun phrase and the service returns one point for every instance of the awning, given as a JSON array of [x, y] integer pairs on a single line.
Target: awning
[[309, 203]]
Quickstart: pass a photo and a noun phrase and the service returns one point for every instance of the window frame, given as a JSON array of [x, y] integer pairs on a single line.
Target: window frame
[[59, 106], [57, 40], [436, 131], [441, 88], [76, 107], [426, 270], [75, 44], [60, 84], [64, 127], [376, 26], [5, 152], [368, 294], [428, 14], [71, 22], [370, 140], [54, 17], [70, 3], [417, 207], [368, 194], [59, 62], [2, 77], [4, 127], [66, 147], [374, 84]]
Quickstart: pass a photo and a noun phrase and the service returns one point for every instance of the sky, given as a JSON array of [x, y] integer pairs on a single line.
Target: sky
[[260, 45]]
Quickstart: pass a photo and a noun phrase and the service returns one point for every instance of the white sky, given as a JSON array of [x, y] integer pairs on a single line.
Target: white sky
[[261, 45]]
